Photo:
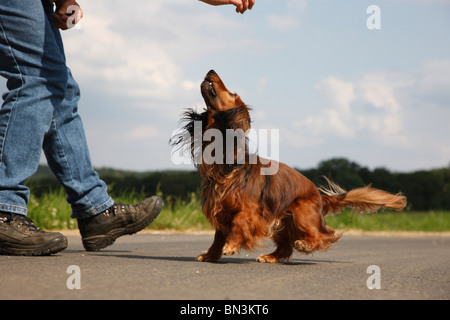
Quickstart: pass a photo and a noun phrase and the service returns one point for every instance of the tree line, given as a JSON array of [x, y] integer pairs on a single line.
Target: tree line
[[425, 189]]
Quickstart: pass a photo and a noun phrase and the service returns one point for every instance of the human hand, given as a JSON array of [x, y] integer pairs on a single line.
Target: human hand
[[241, 5], [67, 14]]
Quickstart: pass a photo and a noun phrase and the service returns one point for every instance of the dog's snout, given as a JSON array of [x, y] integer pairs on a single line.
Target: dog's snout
[[211, 73]]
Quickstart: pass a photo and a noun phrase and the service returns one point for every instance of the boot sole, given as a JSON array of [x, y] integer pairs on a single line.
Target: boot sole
[[96, 243], [54, 246]]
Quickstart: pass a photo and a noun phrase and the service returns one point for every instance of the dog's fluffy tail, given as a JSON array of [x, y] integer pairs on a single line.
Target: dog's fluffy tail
[[362, 200]]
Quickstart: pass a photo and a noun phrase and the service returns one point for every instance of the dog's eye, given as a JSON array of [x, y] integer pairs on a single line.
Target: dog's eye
[[234, 95]]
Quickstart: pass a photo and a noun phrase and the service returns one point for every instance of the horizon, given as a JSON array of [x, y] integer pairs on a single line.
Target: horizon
[[193, 169]]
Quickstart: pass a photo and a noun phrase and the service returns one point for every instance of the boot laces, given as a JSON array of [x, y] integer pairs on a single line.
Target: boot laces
[[21, 220], [118, 208]]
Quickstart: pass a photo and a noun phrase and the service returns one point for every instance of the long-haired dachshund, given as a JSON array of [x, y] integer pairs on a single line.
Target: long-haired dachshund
[[246, 206]]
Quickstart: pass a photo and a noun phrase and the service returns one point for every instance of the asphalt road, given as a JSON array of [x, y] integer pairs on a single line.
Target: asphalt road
[[163, 266]]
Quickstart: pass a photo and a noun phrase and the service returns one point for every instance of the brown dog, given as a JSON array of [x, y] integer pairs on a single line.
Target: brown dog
[[246, 206]]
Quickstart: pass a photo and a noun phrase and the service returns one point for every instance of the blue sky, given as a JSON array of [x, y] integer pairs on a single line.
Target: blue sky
[[311, 69]]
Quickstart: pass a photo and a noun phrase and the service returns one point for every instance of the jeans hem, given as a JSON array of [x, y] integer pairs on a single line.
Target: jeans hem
[[93, 212], [13, 209]]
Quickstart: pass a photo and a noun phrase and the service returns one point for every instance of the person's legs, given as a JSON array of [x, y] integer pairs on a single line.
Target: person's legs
[[31, 61], [40, 111], [67, 154], [36, 82]]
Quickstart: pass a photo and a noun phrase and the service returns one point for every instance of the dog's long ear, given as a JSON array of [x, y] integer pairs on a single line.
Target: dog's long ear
[[190, 135], [234, 125]]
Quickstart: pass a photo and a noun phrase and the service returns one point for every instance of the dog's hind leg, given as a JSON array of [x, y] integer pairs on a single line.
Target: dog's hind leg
[[314, 233]]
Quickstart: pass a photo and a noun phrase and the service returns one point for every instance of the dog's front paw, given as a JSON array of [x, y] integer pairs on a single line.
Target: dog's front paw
[[206, 257], [303, 246], [267, 258], [229, 250]]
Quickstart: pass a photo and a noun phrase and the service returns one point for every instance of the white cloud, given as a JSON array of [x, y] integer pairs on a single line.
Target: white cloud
[[118, 62], [143, 52], [337, 118], [389, 108], [341, 93], [190, 85]]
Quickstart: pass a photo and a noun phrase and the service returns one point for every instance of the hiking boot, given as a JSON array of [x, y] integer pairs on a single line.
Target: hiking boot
[[20, 237], [103, 229]]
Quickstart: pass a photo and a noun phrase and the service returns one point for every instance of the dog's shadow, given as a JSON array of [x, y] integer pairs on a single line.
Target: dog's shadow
[[223, 260]]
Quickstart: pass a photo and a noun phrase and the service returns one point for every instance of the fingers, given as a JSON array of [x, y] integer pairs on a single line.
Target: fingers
[[243, 5], [251, 3], [67, 15], [59, 21]]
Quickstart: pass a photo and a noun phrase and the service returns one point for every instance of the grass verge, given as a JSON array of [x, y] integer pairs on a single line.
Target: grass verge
[[51, 211]]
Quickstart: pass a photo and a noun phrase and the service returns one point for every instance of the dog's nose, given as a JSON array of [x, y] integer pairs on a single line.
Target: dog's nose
[[211, 72]]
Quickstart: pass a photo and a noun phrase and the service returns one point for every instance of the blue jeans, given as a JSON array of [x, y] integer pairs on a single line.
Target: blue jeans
[[39, 112]]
